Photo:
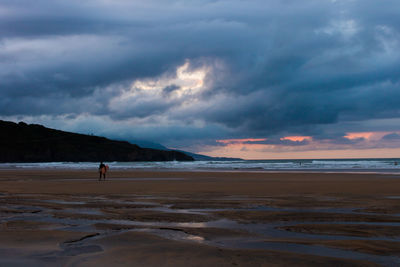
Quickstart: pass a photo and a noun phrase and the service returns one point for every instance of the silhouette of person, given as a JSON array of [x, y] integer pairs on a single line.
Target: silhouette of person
[[102, 171]]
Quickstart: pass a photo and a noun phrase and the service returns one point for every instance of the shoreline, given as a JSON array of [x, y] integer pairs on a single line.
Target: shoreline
[[217, 170], [387, 166]]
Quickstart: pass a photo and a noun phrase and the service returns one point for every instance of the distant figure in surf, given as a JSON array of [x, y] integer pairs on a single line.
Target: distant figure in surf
[[102, 171]]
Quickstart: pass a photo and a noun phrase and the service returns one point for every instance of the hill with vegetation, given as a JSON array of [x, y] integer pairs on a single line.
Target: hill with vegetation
[[21, 142]]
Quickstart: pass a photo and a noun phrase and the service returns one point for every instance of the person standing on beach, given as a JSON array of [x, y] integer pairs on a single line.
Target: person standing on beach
[[102, 171]]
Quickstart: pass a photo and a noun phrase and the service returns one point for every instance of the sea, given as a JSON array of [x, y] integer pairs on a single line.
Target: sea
[[387, 165]]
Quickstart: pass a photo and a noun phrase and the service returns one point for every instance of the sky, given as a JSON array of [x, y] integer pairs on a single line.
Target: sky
[[257, 79]]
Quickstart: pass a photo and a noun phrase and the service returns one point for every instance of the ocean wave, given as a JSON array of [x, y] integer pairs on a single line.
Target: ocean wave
[[315, 164]]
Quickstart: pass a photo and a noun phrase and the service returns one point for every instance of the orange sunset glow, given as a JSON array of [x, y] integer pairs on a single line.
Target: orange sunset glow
[[296, 138], [364, 146], [352, 136]]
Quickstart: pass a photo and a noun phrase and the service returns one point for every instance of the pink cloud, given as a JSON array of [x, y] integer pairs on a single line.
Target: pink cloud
[[366, 144], [364, 135], [296, 138]]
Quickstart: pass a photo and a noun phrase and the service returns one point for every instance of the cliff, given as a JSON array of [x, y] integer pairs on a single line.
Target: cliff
[[35, 143]]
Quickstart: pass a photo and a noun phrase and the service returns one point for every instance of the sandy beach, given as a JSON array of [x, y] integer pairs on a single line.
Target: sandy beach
[[183, 218]]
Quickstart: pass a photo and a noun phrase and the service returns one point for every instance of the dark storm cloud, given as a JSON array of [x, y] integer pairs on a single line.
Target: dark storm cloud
[[345, 141], [392, 136], [288, 67], [283, 142], [170, 89]]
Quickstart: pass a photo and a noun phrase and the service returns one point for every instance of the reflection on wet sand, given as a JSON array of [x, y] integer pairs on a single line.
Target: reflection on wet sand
[[240, 224]]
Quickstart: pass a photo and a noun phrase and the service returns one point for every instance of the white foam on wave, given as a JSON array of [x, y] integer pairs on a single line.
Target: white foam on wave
[[267, 165]]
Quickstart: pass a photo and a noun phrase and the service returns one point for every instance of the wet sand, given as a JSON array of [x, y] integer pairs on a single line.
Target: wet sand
[[174, 218]]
